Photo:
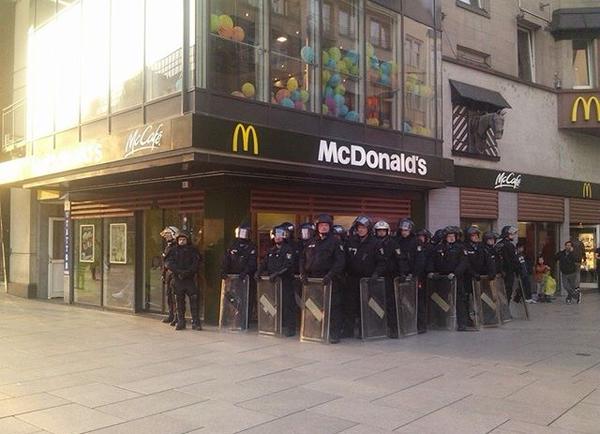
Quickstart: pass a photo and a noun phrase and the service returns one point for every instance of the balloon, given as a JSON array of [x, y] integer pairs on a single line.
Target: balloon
[[226, 32], [374, 61], [325, 58], [304, 96], [286, 102], [353, 56], [343, 110], [342, 67], [307, 54], [335, 80], [339, 100], [295, 95], [238, 94], [385, 80], [335, 53], [386, 68], [248, 90], [299, 105], [214, 23], [324, 109], [292, 84], [282, 94], [331, 64], [340, 89], [326, 75], [238, 34], [330, 104], [370, 50], [352, 116], [225, 21], [354, 70], [328, 92]]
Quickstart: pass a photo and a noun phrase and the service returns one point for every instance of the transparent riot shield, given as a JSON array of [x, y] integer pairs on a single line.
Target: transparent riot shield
[[441, 293], [235, 292], [316, 311], [489, 302], [405, 293], [521, 291], [269, 296], [475, 308], [503, 309], [373, 318]]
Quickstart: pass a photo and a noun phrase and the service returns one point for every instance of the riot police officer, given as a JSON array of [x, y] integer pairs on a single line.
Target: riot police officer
[[407, 242], [449, 260], [279, 262], [507, 250], [391, 253], [480, 264], [489, 243], [340, 233], [183, 262], [240, 257], [307, 232], [323, 258], [437, 237], [364, 258], [168, 234], [424, 251]]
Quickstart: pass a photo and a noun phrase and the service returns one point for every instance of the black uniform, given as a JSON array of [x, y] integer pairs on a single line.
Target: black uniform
[[279, 262], [408, 254], [241, 258], [167, 282], [324, 258], [364, 258], [184, 262], [392, 256], [424, 253], [510, 264], [495, 261], [448, 259], [479, 264]]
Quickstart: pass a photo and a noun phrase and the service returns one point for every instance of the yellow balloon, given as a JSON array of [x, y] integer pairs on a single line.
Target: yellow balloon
[[226, 21], [248, 90], [292, 84]]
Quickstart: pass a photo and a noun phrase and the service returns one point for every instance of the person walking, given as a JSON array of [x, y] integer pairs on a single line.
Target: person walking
[[568, 265]]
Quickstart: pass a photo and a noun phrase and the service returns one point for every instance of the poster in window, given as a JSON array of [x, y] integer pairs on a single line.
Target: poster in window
[[118, 243], [87, 237]]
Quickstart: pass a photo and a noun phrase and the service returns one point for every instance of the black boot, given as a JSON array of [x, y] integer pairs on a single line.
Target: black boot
[[196, 324], [180, 325], [194, 307], [169, 319], [180, 312]]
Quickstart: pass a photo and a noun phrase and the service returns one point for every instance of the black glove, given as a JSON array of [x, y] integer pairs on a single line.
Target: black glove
[[273, 277], [257, 276], [327, 279]]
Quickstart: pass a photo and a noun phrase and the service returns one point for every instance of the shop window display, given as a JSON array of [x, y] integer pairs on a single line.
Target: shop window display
[[419, 79], [340, 62], [292, 55], [234, 47], [383, 102], [87, 259]]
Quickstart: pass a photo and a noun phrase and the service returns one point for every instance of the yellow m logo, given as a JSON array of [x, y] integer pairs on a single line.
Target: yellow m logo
[[587, 108], [247, 133], [587, 190]]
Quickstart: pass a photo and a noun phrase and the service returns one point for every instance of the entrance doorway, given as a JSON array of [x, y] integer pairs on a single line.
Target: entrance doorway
[[56, 257], [540, 239]]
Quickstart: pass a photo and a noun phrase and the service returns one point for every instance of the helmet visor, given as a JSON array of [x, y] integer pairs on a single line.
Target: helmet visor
[[242, 233], [305, 233]]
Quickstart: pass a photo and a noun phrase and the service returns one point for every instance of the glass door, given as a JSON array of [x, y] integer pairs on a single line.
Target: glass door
[[587, 235]]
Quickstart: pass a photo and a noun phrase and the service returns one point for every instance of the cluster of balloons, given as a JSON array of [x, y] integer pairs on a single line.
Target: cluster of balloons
[[336, 64], [414, 85], [291, 96], [247, 91], [414, 128], [223, 26]]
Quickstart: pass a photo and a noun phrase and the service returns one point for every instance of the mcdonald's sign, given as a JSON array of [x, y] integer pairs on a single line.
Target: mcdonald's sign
[[586, 102], [246, 133], [587, 190]]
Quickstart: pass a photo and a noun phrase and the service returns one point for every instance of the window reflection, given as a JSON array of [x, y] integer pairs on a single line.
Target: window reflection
[[68, 61], [127, 51], [43, 80], [234, 55], [419, 79], [163, 49], [340, 61]]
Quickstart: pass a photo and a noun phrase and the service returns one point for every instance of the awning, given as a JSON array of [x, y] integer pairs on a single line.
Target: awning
[[463, 93], [576, 23]]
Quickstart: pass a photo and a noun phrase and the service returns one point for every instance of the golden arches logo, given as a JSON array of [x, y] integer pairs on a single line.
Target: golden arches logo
[[247, 133], [587, 190], [587, 108]]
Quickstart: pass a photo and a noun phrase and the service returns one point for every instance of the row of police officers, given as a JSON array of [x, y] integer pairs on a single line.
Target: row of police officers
[[341, 258]]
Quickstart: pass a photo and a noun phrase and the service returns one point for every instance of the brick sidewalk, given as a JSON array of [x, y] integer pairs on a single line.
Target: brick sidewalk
[[66, 369]]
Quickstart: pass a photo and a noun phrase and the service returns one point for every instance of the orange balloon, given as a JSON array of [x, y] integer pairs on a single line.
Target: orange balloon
[[238, 34], [226, 32]]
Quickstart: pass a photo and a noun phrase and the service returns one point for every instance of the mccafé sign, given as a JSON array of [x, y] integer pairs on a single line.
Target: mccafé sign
[[579, 111]]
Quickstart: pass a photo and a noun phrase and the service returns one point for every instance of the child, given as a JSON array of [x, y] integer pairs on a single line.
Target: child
[[541, 270]]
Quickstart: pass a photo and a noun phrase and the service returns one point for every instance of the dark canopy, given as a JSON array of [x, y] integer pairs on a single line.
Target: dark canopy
[[466, 94], [576, 23]]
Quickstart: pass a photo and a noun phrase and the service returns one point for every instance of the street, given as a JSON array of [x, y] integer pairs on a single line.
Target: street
[[67, 369]]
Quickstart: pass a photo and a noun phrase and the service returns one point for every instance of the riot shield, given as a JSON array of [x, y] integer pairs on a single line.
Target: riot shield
[[373, 318], [269, 298], [523, 298], [490, 313], [441, 293], [406, 306], [233, 314], [503, 309], [475, 307], [316, 311]]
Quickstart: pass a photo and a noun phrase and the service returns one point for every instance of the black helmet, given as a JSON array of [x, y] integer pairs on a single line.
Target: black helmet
[[406, 223], [509, 230], [438, 236], [339, 230], [324, 218], [290, 227], [489, 235], [381, 225], [452, 230], [280, 231], [424, 233], [473, 229], [243, 231], [184, 234], [307, 231], [363, 220]]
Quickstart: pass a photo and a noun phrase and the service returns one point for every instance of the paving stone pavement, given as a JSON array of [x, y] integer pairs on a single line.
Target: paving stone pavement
[[67, 369]]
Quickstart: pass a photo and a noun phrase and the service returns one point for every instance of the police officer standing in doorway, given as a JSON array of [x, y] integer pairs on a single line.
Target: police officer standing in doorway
[[449, 260], [480, 264], [279, 263], [183, 262], [168, 234], [507, 250], [323, 258], [364, 258]]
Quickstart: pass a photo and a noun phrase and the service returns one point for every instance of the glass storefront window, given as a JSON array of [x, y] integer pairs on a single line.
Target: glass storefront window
[[119, 263], [87, 260], [68, 58], [340, 60], [419, 79], [235, 54], [42, 76], [94, 56], [127, 53], [163, 48], [383, 102], [587, 236], [292, 59]]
